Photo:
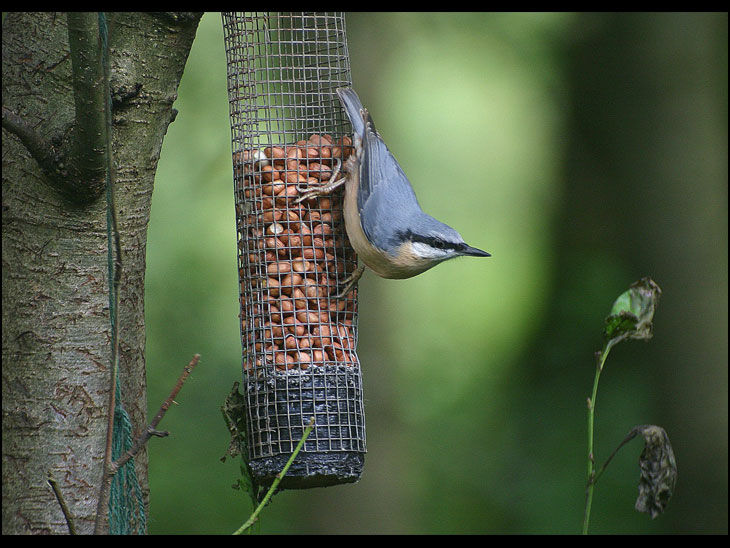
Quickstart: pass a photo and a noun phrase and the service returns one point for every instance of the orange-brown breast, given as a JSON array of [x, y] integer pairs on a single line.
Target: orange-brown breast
[[403, 264]]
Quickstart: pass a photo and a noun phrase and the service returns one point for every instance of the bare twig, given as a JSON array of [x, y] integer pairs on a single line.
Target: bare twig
[[151, 429], [85, 32], [62, 503], [40, 149]]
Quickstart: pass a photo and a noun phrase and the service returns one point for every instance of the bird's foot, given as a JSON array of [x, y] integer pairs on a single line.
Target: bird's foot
[[350, 282], [308, 193]]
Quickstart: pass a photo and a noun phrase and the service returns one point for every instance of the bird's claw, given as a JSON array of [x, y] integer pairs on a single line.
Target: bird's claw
[[350, 282], [322, 190]]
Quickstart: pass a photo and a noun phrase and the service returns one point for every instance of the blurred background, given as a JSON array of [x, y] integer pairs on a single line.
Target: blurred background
[[584, 151]]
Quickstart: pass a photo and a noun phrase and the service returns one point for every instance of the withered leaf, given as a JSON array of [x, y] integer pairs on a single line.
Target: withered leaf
[[658, 471]]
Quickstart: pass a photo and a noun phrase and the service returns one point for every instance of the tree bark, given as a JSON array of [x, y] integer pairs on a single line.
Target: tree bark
[[55, 306]]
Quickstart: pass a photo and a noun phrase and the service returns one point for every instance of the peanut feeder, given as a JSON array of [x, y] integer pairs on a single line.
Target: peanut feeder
[[299, 340]]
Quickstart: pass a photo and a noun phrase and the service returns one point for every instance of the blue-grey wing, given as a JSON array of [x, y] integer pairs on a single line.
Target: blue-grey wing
[[385, 196]]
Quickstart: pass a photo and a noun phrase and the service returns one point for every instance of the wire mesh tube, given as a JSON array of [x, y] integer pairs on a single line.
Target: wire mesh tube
[[290, 135]]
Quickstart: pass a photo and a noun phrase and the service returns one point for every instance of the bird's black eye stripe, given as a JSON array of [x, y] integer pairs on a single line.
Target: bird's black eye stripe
[[433, 241]]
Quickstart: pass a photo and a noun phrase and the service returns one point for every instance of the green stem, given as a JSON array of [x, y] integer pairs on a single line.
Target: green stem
[[591, 418], [251, 520]]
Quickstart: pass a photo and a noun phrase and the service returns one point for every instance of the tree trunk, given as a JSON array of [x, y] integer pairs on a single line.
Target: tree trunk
[[55, 304]]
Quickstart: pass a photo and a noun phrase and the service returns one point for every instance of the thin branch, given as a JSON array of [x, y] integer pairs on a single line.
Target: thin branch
[[40, 149], [151, 429], [84, 32], [76, 168], [89, 144], [62, 503]]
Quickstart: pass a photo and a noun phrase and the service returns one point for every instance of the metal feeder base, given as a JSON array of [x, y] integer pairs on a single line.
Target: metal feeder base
[[310, 469], [280, 404]]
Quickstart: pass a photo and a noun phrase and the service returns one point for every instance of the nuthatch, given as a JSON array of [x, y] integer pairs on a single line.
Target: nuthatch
[[385, 224]]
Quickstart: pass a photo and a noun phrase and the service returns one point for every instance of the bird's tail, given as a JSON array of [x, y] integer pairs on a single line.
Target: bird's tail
[[354, 109]]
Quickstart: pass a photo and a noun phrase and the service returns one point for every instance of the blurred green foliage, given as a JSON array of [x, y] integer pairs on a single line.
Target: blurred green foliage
[[583, 151]]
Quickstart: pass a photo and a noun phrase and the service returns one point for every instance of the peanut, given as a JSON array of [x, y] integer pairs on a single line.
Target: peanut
[[290, 255]]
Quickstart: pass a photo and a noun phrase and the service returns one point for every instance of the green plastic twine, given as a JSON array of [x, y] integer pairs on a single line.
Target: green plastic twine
[[126, 504]]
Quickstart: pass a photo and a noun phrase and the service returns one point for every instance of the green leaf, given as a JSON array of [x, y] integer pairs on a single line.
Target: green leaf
[[632, 313]]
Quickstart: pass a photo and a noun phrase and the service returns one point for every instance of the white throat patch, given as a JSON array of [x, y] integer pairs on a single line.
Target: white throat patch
[[428, 252]]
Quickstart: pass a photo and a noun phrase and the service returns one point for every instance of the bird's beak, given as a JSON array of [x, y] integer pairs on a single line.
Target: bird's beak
[[474, 252]]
